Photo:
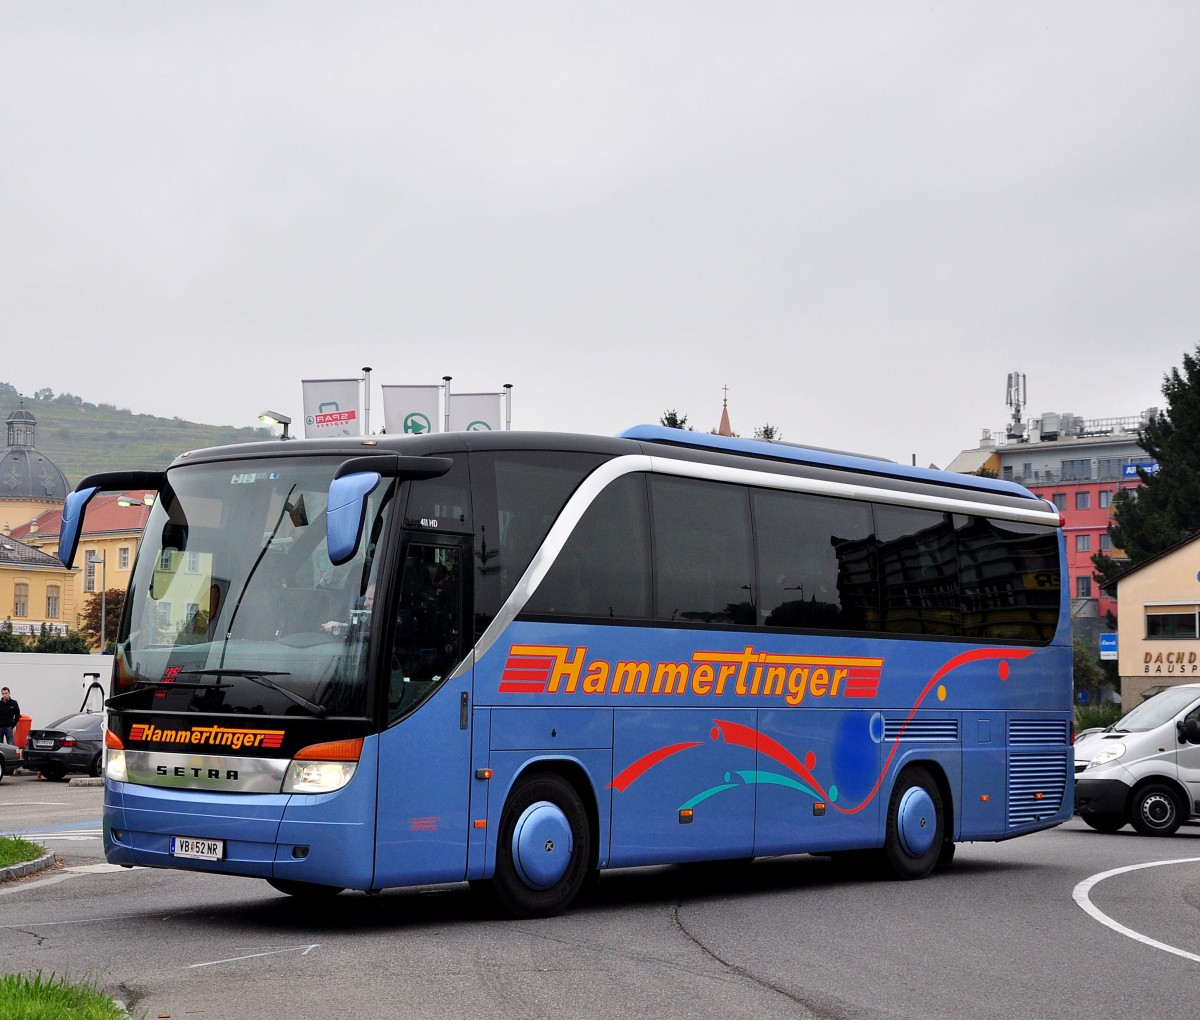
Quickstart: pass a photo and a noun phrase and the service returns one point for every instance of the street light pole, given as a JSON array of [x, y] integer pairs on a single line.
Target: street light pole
[[102, 559]]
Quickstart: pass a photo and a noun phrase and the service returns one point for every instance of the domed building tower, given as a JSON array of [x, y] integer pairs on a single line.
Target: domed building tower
[[30, 483]]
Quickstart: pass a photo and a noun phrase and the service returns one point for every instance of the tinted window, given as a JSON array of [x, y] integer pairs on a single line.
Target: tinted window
[[1010, 580], [702, 552], [443, 502], [518, 496], [918, 567], [604, 569], [815, 565]]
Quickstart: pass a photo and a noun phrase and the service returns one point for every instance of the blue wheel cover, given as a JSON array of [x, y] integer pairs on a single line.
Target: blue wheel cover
[[916, 822], [542, 845]]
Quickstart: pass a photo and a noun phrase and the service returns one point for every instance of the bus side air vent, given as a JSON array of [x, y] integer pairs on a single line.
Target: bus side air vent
[[1038, 731], [922, 730], [1036, 785]]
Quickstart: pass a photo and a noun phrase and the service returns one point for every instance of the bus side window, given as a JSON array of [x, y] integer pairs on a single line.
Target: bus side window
[[428, 638]]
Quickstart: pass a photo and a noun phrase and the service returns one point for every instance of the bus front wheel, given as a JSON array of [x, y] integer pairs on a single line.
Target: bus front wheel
[[545, 847], [915, 825]]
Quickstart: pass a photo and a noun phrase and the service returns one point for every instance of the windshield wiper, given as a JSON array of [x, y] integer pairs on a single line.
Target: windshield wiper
[[258, 676], [147, 684]]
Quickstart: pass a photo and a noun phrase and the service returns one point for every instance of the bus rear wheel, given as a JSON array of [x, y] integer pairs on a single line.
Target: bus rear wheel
[[545, 847], [915, 825]]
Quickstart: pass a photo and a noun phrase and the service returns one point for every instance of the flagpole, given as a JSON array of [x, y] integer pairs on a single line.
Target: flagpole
[[508, 407], [446, 383], [367, 401]]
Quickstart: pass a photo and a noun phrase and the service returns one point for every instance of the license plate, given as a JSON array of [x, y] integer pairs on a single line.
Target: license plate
[[197, 849], [47, 745]]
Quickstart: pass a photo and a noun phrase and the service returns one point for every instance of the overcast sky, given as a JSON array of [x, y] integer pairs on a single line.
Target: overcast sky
[[860, 217]]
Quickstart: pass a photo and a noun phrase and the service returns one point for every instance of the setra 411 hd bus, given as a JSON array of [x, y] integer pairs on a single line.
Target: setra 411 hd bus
[[519, 659]]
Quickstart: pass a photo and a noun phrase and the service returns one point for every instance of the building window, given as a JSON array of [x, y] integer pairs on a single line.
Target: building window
[[1105, 542], [1076, 470], [1167, 622], [1108, 467], [1106, 496], [193, 563], [1060, 500], [89, 574], [21, 599], [1083, 587], [164, 560], [123, 558], [1083, 500], [1083, 543], [52, 601]]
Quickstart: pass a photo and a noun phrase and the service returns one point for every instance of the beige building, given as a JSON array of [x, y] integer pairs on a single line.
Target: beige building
[[1158, 625], [34, 586]]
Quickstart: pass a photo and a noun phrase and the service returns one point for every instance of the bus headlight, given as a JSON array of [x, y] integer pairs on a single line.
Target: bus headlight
[[323, 768], [114, 767], [1106, 756], [114, 758], [318, 776]]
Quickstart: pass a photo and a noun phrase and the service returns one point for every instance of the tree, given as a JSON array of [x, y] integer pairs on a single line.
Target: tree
[[1165, 508], [1089, 673], [767, 431], [73, 642], [672, 420], [114, 601]]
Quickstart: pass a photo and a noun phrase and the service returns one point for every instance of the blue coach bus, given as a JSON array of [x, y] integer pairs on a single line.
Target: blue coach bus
[[522, 658]]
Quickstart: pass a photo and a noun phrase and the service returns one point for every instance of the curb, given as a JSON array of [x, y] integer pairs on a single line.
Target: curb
[[27, 867], [85, 781]]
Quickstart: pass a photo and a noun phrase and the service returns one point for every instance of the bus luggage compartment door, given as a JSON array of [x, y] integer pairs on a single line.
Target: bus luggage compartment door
[[682, 786]]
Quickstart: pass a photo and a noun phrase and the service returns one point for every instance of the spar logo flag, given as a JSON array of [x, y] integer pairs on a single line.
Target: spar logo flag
[[332, 407], [476, 412], [411, 410]]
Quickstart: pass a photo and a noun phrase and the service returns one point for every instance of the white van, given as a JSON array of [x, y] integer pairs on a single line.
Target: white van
[[1144, 769]]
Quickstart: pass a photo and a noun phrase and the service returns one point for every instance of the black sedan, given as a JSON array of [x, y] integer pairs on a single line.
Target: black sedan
[[10, 759], [74, 743]]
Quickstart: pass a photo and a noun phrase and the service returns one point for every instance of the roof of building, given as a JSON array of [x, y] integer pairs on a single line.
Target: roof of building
[[16, 553], [1111, 586], [111, 513], [26, 474]]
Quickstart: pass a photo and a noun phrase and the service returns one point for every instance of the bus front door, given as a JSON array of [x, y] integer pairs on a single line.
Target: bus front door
[[425, 752]]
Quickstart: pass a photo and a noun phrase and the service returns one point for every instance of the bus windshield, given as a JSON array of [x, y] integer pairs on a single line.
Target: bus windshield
[[234, 605]]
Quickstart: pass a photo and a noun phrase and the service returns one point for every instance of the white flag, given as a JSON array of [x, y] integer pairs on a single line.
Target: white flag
[[332, 407], [411, 410], [475, 412]]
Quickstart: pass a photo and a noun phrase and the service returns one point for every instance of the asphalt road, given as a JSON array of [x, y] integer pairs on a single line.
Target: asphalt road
[[1035, 927]]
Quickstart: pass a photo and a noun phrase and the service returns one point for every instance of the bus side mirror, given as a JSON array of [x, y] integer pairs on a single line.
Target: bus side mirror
[[72, 523], [346, 513], [1189, 730]]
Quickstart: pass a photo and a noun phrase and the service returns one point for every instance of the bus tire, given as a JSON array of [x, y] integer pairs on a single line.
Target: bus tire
[[915, 825], [1155, 810], [303, 890], [544, 851], [1104, 821]]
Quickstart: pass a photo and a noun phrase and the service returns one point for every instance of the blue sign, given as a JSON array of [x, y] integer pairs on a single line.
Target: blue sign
[[1108, 646], [1130, 470]]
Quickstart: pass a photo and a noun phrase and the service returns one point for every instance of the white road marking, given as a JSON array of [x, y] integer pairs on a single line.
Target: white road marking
[[1084, 888], [302, 950], [74, 834]]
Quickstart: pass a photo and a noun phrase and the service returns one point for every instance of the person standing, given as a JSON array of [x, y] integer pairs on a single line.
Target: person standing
[[10, 715]]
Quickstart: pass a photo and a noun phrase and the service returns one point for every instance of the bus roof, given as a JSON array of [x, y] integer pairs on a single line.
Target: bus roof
[[769, 449]]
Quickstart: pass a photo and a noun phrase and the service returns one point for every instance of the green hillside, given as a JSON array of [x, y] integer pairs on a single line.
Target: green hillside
[[83, 438]]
